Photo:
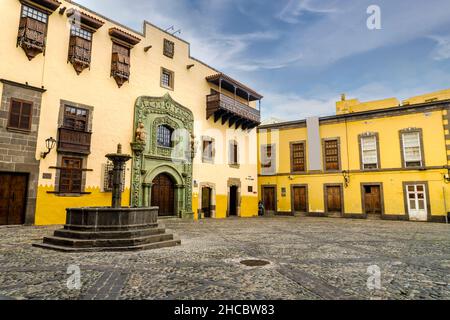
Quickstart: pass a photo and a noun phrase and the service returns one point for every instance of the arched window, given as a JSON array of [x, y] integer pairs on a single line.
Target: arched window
[[164, 136]]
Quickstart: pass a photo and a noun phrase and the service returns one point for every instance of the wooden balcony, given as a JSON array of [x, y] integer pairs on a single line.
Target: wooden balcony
[[235, 112], [70, 140]]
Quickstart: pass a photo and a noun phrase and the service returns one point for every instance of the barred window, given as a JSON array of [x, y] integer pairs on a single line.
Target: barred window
[[412, 149], [298, 157], [166, 78], [82, 33], [233, 153], [34, 14], [369, 152], [331, 154], [164, 136], [108, 173]]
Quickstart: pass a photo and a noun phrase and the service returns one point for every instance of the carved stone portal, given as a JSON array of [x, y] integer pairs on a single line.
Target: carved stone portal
[[151, 159]]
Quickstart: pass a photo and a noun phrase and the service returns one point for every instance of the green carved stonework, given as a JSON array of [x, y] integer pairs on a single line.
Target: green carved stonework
[[150, 159]]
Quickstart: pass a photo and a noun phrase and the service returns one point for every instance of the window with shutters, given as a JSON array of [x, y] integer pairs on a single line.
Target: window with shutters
[[233, 153], [70, 177], [412, 149], [120, 65], [167, 79], [331, 155], [169, 48], [298, 157], [32, 31], [80, 46], [369, 152], [164, 136], [20, 115], [268, 159]]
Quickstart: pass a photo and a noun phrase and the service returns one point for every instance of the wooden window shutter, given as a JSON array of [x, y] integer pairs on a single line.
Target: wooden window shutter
[[20, 115]]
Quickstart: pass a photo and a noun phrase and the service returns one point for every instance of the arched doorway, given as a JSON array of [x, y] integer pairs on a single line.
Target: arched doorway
[[163, 195]]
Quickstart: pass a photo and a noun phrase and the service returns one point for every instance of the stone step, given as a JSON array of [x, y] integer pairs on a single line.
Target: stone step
[[85, 243], [110, 228], [148, 246], [90, 235]]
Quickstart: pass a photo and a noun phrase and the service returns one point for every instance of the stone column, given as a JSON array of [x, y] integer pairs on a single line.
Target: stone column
[[147, 188]]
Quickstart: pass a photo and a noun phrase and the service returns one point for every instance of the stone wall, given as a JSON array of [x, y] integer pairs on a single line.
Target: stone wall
[[18, 148]]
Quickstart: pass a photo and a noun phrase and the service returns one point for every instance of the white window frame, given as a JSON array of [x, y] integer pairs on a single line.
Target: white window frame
[[375, 149], [419, 146]]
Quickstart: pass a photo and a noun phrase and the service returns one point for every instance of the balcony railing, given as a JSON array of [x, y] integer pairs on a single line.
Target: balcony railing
[[227, 108], [70, 140]]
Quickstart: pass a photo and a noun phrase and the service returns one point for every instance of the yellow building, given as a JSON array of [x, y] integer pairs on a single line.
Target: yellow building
[[373, 159], [75, 84]]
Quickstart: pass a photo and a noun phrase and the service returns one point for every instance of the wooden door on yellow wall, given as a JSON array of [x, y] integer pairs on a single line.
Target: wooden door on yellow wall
[[372, 200], [333, 198], [13, 189], [299, 198], [269, 199]]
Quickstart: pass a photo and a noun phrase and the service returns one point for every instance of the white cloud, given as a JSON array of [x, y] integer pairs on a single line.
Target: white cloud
[[294, 9], [442, 50]]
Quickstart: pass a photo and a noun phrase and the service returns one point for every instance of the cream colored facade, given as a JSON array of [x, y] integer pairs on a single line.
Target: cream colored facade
[[112, 116]]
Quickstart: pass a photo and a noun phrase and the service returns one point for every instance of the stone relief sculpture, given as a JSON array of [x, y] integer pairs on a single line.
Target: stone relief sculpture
[[141, 133]]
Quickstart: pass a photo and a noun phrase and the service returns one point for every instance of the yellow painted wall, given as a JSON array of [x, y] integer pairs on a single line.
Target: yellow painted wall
[[113, 106]]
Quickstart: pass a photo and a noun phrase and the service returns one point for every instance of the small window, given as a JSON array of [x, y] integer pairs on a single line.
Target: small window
[[298, 157], [208, 150], [167, 79], [234, 153], [164, 136], [331, 155], [169, 48], [120, 63], [70, 175], [412, 152], [80, 47], [266, 157], [250, 189], [369, 152], [32, 31], [20, 115], [75, 118]]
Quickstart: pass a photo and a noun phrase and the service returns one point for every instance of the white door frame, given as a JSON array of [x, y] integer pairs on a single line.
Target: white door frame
[[418, 196]]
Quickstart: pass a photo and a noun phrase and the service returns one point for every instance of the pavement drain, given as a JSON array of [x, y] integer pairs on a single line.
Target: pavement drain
[[255, 263]]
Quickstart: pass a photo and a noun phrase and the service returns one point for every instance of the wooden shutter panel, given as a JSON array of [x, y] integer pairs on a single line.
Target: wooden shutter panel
[[14, 114], [25, 118]]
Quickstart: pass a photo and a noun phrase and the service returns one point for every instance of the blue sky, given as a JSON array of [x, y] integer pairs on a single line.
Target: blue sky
[[302, 54]]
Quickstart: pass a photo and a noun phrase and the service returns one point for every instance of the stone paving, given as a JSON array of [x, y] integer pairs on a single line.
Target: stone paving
[[310, 258]]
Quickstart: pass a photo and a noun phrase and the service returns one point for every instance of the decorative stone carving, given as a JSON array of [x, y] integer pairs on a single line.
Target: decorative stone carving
[[141, 133], [151, 112]]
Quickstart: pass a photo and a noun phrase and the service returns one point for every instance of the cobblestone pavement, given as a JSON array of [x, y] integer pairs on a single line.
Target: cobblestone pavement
[[310, 258]]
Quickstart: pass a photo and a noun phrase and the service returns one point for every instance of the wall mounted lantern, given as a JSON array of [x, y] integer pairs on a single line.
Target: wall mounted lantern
[[346, 176], [50, 144]]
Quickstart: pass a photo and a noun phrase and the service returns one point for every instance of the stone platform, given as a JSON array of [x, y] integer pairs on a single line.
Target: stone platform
[[110, 229]]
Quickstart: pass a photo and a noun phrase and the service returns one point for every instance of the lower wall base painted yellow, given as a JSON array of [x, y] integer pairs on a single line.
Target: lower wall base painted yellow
[[51, 209], [249, 206]]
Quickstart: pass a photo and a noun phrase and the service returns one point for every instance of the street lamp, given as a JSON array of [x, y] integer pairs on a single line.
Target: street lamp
[[50, 144]]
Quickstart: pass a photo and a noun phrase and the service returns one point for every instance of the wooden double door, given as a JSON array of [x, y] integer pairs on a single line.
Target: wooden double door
[[269, 199], [299, 199], [13, 192], [163, 195], [333, 199]]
